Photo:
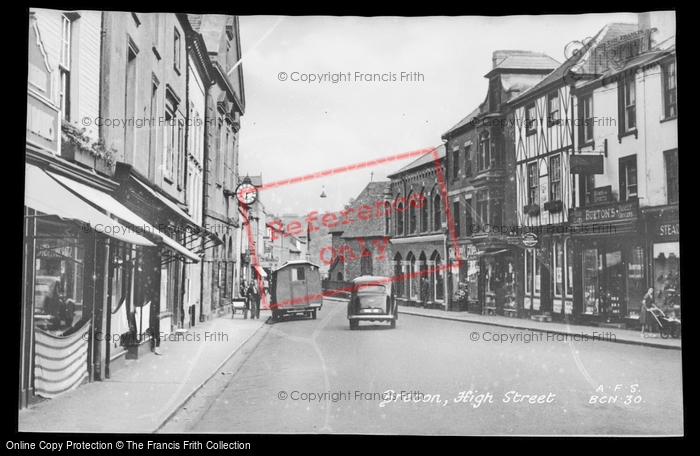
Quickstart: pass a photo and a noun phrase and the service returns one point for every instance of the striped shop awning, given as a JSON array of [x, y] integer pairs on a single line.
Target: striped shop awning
[[60, 363]]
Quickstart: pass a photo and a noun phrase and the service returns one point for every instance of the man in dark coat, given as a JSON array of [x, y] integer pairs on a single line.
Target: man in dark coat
[[254, 299]]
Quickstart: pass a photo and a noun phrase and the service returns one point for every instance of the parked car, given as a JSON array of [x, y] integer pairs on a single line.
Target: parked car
[[371, 300], [295, 289]]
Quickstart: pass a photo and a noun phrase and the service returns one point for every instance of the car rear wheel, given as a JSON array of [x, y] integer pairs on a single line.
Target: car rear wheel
[[353, 324], [393, 324], [313, 314], [275, 315]]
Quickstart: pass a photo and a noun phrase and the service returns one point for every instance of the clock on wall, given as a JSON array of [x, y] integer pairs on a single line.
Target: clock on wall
[[246, 192]]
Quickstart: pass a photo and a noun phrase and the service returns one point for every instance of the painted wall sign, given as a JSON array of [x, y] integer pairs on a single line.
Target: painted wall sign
[[610, 212]]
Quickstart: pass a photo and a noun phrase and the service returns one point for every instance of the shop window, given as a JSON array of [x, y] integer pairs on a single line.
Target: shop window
[[628, 178], [670, 97], [509, 288], [58, 285], [558, 267], [671, 159], [667, 278], [636, 285], [591, 268], [569, 268]]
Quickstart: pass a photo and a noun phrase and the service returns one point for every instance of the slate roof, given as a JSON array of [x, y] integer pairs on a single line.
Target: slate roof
[[609, 32], [466, 120], [525, 60], [195, 21], [373, 226], [428, 158]]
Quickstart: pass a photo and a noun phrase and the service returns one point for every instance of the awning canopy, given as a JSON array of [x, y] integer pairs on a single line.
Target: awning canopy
[[170, 204], [261, 271], [44, 194], [113, 206]]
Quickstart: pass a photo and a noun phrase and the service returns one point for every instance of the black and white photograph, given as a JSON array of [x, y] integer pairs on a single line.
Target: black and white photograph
[[242, 225]]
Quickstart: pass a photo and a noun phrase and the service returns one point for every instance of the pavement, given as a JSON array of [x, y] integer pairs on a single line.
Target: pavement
[[624, 336], [143, 395]]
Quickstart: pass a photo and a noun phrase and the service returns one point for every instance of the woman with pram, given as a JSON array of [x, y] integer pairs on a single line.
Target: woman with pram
[[646, 318]]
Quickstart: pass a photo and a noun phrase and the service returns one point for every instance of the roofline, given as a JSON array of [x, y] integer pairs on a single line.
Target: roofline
[[520, 70], [599, 80]]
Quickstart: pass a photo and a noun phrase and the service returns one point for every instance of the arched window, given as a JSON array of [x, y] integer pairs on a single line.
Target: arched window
[[399, 218], [411, 281], [437, 212], [412, 217], [339, 276], [424, 215]]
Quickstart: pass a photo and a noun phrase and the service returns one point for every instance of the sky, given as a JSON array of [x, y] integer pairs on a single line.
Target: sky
[[294, 128]]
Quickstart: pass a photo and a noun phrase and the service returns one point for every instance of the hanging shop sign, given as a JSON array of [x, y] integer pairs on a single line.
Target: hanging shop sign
[[586, 164]]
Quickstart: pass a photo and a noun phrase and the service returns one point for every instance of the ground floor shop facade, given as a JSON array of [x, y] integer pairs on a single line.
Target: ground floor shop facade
[[420, 270], [100, 283]]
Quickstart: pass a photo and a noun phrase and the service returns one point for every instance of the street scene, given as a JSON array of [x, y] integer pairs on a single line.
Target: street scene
[[244, 225]]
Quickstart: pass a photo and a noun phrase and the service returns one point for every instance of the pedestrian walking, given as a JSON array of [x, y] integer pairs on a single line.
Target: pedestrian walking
[[645, 316], [243, 293], [254, 299], [424, 291]]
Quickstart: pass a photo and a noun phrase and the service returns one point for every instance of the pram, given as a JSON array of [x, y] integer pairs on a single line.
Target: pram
[[667, 326]]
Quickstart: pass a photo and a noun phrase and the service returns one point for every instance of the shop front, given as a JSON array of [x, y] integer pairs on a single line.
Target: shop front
[[663, 234], [493, 275], [610, 241], [66, 251]]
